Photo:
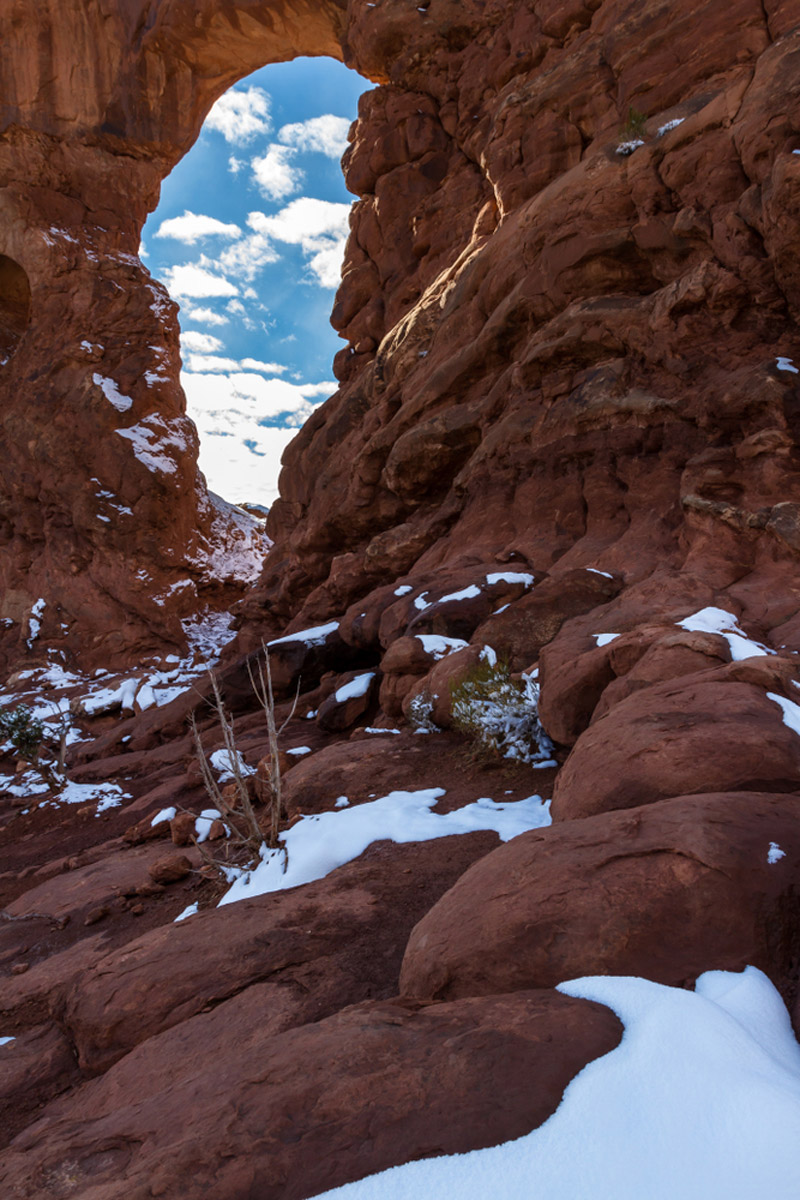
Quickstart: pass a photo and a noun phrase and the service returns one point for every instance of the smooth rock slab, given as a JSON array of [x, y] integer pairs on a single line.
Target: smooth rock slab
[[665, 891], [283, 1118]]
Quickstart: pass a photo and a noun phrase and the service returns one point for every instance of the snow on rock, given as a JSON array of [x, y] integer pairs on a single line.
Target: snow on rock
[[107, 699], [673, 124], [166, 814], [790, 711], [156, 442], [318, 844], [299, 750], [403, 590], [374, 729], [467, 593], [775, 854], [237, 544], [203, 823], [420, 603], [220, 760], [717, 620], [438, 646], [107, 795], [112, 393], [5, 1040], [355, 688], [189, 911], [701, 1101], [316, 636], [35, 622], [786, 364], [510, 577], [603, 639]]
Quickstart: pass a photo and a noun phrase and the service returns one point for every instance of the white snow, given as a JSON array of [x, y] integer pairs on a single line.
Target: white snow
[[603, 639], [316, 636], [318, 844], [438, 646], [717, 620], [354, 689], [626, 148], [35, 621], [421, 603], [220, 760], [108, 795], [106, 699], [374, 729], [673, 124], [786, 364], [605, 574], [154, 440], [166, 814], [790, 711], [341, 802], [510, 577], [112, 393], [403, 590], [203, 823], [488, 655], [189, 911], [775, 854], [300, 750], [467, 593], [5, 1040], [700, 1101]]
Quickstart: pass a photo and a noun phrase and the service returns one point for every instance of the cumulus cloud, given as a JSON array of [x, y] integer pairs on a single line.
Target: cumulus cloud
[[319, 227], [203, 362], [241, 115], [192, 227], [235, 164], [326, 134], [206, 316], [247, 257], [193, 280], [200, 343], [239, 454], [274, 173]]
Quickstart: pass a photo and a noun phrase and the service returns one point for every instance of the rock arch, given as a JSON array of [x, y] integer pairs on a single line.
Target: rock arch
[[99, 103]]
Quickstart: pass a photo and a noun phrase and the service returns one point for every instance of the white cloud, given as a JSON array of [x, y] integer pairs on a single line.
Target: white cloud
[[326, 134], [201, 359], [320, 227], [200, 343], [239, 456], [192, 280], [241, 115], [206, 316], [274, 173], [236, 307], [210, 363], [191, 227], [247, 257], [254, 364], [235, 164]]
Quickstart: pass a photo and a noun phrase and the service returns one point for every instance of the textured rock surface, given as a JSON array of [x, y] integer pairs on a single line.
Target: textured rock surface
[[569, 408]]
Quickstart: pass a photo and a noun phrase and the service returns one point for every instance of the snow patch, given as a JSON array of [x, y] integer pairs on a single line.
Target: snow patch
[[35, 621], [603, 639], [316, 636], [786, 364], [189, 911], [354, 689], [789, 710], [775, 854], [717, 620], [166, 814], [112, 393], [510, 577], [700, 1100], [318, 844], [467, 593], [438, 646]]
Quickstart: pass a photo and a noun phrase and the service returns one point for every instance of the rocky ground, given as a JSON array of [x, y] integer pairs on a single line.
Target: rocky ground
[[565, 442]]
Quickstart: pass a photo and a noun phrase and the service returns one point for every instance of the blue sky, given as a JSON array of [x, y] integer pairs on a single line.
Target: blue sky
[[248, 237]]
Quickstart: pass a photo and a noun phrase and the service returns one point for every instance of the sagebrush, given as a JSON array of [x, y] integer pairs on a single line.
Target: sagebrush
[[500, 713]]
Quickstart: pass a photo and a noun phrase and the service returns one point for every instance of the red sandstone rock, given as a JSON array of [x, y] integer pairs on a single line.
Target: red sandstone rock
[[233, 1116], [665, 891], [170, 869], [695, 734], [310, 950]]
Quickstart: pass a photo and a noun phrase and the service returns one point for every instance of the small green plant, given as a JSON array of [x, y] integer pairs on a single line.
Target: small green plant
[[635, 125], [29, 737], [500, 714]]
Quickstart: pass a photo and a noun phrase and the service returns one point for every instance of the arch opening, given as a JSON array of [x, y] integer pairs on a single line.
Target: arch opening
[[248, 238], [15, 306]]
